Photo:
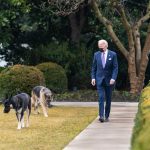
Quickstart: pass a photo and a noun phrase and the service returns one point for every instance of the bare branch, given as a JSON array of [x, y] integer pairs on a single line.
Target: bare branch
[[110, 30], [66, 7], [137, 36], [144, 18]]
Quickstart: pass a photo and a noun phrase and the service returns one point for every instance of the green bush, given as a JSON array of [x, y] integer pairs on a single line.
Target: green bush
[[20, 78], [55, 76], [92, 96], [77, 71], [141, 136], [2, 68]]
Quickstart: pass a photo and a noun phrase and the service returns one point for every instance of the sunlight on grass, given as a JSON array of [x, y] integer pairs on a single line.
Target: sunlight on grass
[[52, 133]]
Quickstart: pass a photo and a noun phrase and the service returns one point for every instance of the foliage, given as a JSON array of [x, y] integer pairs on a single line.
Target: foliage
[[141, 136], [52, 133], [55, 76], [19, 78], [76, 62], [24, 30], [81, 67], [11, 11], [2, 68], [65, 7], [92, 95]]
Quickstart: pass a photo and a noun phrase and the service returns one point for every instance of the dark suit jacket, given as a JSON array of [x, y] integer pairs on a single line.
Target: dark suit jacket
[[109, 72]]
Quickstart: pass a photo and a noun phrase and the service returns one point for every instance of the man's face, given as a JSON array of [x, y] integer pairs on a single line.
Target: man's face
[[102, 46]]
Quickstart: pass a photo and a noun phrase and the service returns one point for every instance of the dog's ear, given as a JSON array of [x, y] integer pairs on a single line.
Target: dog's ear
[[18, 92], [10, 96], [43, 89]]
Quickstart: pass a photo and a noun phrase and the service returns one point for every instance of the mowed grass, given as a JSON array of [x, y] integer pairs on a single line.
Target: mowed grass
[[52, 133]]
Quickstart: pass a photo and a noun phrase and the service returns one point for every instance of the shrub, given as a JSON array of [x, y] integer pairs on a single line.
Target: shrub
[[141, 136], [55, 76], [92, 96], [2, 68], [20, 78]]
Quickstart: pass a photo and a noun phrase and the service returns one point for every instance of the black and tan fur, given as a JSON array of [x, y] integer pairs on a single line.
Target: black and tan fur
[[41, 95], [21, 103]]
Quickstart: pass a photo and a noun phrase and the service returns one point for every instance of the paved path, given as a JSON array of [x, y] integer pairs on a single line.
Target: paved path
[[113, 135]]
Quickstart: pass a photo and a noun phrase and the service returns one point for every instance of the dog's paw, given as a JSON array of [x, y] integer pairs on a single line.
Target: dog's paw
[[46, 115], [27, 125], [22, 125], [19, 126], [36, 113]]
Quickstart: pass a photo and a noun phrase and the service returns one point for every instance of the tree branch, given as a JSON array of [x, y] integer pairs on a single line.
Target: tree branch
[[144, 18], [66, 7], [110, 30], [127, 26], [137, 36]]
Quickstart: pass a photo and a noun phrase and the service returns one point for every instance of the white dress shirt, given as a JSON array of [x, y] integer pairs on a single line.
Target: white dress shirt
[[106, 53]]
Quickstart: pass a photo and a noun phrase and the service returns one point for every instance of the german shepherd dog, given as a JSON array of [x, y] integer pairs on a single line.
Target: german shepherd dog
[[43, 96], [21, 103]]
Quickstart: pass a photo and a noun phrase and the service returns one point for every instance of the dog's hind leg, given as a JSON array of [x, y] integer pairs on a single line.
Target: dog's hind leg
[[36, 106], [22, 122], [19, 120], [28, 114], [43, 103], [34, 102], [28, 110]]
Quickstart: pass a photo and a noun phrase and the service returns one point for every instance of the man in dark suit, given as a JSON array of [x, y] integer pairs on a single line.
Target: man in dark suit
[[104, 74]]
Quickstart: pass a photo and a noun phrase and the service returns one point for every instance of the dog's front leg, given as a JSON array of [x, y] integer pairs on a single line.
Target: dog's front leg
[[44, 109]]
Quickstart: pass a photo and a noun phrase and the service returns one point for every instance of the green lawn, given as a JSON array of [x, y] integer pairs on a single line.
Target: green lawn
[[52, 133]]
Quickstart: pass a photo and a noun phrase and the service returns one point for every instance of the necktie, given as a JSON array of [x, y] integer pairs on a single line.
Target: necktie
[[103, 59]]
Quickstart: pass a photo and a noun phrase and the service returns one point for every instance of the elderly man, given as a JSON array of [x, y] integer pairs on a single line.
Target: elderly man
[[104, 74]]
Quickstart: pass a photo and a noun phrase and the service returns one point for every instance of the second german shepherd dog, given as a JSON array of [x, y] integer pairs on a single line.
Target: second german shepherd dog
[[43, 96]]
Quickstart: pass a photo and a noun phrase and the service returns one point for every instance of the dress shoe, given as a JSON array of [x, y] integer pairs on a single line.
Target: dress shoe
[[107, 120], [101, 119]]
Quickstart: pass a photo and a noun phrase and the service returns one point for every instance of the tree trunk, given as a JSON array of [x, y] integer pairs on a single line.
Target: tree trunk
[[132, 75], [77, 24], [144, 61]]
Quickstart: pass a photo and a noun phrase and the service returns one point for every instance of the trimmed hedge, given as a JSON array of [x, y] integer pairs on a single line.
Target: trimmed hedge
[[92, 96], [55, 76], [20, 78], [141, 131]]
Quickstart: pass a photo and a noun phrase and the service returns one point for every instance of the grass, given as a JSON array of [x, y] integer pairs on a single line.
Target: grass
[[52, 133]]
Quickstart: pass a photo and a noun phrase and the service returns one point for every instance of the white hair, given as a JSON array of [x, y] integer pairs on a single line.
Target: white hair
[[103, 41]]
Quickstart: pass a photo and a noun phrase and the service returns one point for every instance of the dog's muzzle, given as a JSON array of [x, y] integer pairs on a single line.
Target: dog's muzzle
[[6, 110]]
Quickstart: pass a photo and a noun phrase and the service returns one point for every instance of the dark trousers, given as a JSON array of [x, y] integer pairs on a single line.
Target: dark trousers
[[104, 91]]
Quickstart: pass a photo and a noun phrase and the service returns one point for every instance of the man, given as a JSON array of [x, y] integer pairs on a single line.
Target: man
[[104, 74]]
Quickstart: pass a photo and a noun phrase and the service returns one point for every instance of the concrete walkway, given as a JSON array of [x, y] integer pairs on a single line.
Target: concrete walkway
[[113, 135]]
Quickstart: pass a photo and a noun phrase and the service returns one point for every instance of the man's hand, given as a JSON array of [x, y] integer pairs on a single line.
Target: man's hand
[[112, 81], [93, 82]]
